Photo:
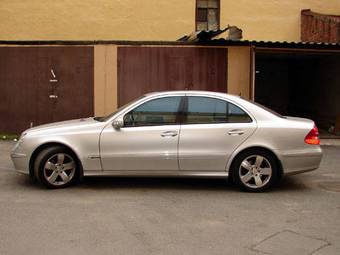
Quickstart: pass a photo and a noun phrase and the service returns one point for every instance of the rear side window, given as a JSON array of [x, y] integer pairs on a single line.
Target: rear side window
[[161, 111], [206, 110]]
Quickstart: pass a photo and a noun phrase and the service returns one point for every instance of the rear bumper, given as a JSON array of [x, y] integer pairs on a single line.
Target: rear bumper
[[300, 161]]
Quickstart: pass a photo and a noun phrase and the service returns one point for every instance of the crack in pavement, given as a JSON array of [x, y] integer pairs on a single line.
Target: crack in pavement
[[256, 247]]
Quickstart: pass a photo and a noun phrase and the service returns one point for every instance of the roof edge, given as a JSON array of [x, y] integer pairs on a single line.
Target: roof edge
[[218, 42]]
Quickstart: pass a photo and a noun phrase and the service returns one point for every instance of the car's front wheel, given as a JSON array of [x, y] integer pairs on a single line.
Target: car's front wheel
[[255, 170], [56, 167]]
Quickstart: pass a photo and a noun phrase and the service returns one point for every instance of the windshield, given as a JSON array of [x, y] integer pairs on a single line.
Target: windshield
[[265, 108], [107, 117]]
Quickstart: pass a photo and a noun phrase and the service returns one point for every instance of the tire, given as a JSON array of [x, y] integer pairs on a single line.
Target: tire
[[255, 170], [56, 167]]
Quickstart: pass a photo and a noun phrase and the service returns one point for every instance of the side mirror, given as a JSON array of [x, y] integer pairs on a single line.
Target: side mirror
[[117, 124]]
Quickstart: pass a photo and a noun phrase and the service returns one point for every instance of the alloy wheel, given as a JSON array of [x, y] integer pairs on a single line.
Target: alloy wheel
[[255, 171], [59, 169]]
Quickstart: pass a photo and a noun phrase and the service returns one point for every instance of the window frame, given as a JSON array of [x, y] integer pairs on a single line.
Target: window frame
[[218, 14], [179, 112], [182, 110], [186, 104]]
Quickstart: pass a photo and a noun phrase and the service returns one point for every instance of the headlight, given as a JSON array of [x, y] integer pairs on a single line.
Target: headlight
[[19, 142]]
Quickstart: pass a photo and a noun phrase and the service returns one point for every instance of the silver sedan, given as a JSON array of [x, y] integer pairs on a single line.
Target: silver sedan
[[178, 133]]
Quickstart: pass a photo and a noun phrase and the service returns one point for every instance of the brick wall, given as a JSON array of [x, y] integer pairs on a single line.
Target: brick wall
[[317, 27]]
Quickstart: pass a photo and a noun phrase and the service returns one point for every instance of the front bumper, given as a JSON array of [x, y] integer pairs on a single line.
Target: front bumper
[[20, 162], [20, 158], [300, 161]]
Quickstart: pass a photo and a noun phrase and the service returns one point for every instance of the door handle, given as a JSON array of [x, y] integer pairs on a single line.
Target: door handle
[[169, 133], [53, 96], [236, 132]]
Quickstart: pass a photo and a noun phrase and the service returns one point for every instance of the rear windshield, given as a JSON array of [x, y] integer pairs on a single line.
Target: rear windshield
[[266, 109]]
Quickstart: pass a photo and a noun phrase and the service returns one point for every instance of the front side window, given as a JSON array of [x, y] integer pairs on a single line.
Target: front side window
[[156, 112], [207, 15], [206, 110]]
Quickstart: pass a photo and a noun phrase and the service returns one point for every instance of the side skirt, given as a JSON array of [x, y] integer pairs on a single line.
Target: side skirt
[[125, 173]]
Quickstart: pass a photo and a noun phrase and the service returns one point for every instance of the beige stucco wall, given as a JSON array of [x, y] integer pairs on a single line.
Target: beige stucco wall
[[105, 79], [149, 19], [272, 20], [95, 19], [239, 71]]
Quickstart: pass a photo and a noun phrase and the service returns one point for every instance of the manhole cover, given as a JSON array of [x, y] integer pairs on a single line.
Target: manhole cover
[[330, 186]]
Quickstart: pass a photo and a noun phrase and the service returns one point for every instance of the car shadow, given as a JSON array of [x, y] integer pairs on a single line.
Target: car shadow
[[155, 183], [287, 184]]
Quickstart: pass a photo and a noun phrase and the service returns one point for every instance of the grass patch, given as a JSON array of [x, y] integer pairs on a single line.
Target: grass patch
[[8, 136]]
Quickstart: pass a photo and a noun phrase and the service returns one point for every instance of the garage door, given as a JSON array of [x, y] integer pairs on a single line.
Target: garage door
[[44, 84], [147, 69]]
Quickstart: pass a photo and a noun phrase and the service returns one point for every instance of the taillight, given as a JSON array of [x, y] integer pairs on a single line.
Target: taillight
[[313, 136]]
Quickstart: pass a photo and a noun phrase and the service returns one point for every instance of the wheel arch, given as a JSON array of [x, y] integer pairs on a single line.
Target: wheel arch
[[43, 146], [257, 147]]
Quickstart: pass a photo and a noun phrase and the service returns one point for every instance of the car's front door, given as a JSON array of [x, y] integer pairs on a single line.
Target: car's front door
[[148, 141], [212, 129]]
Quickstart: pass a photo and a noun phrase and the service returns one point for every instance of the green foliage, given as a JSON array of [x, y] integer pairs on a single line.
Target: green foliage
[[7, 136]]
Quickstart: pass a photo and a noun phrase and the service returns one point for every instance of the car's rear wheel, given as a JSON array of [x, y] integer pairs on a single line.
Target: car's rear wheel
[[255, 170], [56, 167]]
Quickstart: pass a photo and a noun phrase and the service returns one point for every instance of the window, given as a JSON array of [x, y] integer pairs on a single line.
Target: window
[[161, 111], [207, 15], [205, 110]]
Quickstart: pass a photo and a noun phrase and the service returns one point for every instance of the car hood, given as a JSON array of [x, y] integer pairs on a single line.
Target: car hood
[[64, 126]]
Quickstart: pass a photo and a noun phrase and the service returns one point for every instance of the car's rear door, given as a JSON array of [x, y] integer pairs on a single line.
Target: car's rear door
[[148, 141], [211, 130]]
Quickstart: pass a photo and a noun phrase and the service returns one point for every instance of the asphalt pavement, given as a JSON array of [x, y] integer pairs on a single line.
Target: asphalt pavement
[[171, 216]]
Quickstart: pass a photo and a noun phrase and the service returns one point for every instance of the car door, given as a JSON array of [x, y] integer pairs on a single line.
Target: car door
[[148, 141], [212, 129]]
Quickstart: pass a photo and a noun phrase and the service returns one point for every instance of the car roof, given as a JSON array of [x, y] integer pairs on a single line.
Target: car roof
[[192, 92]]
